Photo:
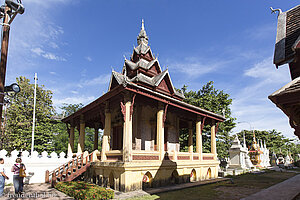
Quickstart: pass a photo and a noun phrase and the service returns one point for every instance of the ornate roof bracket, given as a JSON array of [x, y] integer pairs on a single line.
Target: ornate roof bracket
[[217, 127], [295, 126], [202, 124], [165, 114], [131, 107], [123, 110], [68, 129]]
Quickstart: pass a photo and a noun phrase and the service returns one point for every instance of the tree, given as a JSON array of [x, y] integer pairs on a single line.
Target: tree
[[61, 136], [215, 101], [18, 132]]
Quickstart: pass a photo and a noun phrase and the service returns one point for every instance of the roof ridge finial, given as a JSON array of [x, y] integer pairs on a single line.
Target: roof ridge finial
[[142, 37], [276, 10], [143, 25]]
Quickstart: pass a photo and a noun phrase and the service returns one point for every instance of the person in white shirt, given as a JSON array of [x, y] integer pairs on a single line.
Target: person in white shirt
[[2, 176]]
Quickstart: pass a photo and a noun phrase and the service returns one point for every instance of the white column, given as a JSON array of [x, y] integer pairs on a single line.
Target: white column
[[71, 142], [106, 134], [81, 135], [127, 131], [190, 142], [160, 132], [199, 138], [213, 139]]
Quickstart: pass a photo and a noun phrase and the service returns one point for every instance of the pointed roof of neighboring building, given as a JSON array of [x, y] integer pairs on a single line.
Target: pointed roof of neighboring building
[[288, 35]]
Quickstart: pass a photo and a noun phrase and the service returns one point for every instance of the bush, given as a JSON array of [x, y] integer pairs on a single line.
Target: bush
[[81, 190]]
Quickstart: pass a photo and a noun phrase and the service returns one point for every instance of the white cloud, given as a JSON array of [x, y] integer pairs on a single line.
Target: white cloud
[[34, 34], [88, 58], [52, 73], [74, 92], [73, 100], [195, 67], [100, 80], [51, 56], [267, 71], [262, 32], [38, 51], [251, 103]]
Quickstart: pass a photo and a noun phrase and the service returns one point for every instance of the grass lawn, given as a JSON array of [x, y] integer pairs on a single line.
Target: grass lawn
[[242, 186]]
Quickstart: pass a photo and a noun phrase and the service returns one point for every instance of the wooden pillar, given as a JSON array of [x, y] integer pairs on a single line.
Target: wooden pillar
[[106, 134], [199, 138], [127, 130], [213, 139], [81, 135], [71, 142], [96, 136], [190, 142], [160, 132]]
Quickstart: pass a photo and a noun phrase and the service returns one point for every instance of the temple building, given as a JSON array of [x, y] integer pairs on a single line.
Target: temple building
[[287, 51], [141, 115]]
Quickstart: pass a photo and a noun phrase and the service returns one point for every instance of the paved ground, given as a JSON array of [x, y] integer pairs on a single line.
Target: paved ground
[[35, 191], [286, 190]]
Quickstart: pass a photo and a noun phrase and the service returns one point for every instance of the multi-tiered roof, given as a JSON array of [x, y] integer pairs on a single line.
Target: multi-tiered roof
[[143, 69], [142, 75]]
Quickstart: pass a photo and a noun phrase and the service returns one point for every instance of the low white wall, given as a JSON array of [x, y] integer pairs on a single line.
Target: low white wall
[[36, 165]]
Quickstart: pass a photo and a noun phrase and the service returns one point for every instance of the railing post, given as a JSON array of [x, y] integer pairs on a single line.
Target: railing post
[[47, 176], [53, 180]]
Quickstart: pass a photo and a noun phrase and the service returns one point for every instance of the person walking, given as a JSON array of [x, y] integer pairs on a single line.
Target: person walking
[[2, 176], [19, 169]]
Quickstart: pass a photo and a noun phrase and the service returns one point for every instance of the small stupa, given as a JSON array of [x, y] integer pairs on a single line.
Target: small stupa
[[255, 152]]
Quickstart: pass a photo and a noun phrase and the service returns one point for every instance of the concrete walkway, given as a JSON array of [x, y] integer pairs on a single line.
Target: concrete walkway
[[286, 190], [38, 191]]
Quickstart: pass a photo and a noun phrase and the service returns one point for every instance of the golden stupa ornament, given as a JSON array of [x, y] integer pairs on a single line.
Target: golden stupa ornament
[[255, 152]]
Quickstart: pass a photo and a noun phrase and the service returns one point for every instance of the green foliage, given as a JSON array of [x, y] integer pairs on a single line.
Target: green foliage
[[69, 109], [275, 141], [19, 119], [82, 190], [215, 101], [61, 136]]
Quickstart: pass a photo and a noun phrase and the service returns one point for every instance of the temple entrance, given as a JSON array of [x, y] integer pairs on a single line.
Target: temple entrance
[[193, 176], [111, 180], [117, 143], [147, 180], [209, 173]]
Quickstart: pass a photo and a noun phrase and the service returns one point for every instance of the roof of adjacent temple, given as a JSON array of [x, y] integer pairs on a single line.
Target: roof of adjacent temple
[[291, 87], [288, 33]]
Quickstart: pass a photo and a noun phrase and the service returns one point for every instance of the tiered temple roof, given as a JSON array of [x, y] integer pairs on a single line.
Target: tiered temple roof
[[143, 69], [143, 75]]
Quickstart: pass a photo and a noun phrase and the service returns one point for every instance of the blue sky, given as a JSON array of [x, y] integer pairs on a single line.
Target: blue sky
[[73, 45]]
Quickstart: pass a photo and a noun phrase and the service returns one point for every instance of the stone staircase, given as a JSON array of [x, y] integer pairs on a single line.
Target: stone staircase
[[70, 170]]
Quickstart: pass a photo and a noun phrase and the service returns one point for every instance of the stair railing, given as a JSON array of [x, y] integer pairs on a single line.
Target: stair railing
[[70, 170]]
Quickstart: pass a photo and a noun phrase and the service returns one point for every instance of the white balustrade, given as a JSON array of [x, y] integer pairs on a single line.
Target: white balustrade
[[36, 164]]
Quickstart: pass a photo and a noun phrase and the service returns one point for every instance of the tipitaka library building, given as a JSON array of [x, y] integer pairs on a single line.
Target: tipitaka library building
[[141, 115]]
